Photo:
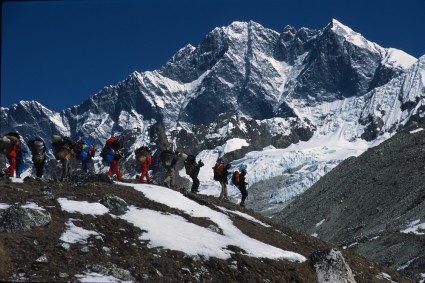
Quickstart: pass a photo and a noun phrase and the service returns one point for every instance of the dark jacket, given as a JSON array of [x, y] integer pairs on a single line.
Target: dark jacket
[[196, 169], [242, 182], [224, 174]]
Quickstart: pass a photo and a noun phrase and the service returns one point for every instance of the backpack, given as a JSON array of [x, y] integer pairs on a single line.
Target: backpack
[[83, 148], [141, 154], [13, 138], [111, 140], [166, 157], [235, 178], [190, 163], [78, 148], [218, 171], [38, 150], [107, 145]]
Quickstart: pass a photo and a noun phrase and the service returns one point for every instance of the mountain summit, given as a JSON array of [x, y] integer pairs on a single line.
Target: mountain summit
[[293, 91]]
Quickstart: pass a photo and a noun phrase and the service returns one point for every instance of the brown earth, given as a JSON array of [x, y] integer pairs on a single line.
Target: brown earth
[[19, 251]]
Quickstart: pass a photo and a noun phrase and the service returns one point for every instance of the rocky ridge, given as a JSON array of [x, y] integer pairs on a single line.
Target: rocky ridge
[[373, 204]]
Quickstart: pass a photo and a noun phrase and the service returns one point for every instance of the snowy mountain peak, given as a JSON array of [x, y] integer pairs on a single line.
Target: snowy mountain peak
[[398, 59], [329, 86], [353, 37]]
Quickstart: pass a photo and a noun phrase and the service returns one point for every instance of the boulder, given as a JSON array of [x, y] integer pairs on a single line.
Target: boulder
[[330, 267], [16, 218]]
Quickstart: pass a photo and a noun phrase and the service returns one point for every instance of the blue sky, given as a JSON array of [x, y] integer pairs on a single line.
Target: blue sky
[[60, 53]]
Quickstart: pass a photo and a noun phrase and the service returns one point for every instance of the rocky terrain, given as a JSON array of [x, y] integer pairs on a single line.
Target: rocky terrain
[[34, 244], [373, 204]]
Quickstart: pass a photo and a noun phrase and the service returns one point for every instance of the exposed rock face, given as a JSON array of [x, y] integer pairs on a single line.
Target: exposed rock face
[[114, 203], [331, 267], [16, 218], [244, 69], [373, 204], [111, 269]]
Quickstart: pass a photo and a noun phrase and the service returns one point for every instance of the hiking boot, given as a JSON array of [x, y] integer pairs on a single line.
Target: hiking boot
[[242, 204]]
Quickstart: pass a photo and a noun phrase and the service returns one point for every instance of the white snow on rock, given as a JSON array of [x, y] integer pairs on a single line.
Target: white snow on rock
[[83, 207], [180, 234], [415, 227], [234, 144], [74, 234], [96, 277], [4, 206], [397, 58], [193, 239], [416, 130]]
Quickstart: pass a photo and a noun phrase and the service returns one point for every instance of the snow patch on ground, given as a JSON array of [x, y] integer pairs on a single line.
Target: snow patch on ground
[[180, 234], [415, 227], [83, 207], [193, 239], [96, 277], [416, 131], [320, 223], [74, 234]]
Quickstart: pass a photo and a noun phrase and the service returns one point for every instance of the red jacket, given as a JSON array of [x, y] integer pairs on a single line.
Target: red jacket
[[12, 153], [147, 163]]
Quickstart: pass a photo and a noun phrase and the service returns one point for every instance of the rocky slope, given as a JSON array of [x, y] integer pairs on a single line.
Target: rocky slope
[[373, 204], [83, 230]]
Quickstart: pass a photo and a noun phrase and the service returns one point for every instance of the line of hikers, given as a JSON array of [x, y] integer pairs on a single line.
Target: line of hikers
[[192, 168], [64, 149], [11, 146]]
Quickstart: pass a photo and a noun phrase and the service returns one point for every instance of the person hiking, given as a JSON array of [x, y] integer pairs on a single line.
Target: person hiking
[[11, 152], [38, 151], [112, 153], [144, 159], [221, 171], [63, 151], [169, 161], [192, 169], [85, 151], [20, 151], [5, 148], [239, 181]]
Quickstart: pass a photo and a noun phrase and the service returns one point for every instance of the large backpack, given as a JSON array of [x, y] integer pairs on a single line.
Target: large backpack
[[167, 157], [5, 145], [61, 147], [141, 154], [236, 178], [107, 153], [218, 171], [107, 146], [13, 137], [38, 150], [84, 149], [190, 163], [77, 146], [111, 140]]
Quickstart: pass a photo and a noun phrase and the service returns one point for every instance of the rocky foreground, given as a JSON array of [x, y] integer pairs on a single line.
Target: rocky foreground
[[35, 247]]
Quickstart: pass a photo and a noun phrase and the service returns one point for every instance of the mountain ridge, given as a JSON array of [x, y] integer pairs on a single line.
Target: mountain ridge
[[246, 81], [372, 204]]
